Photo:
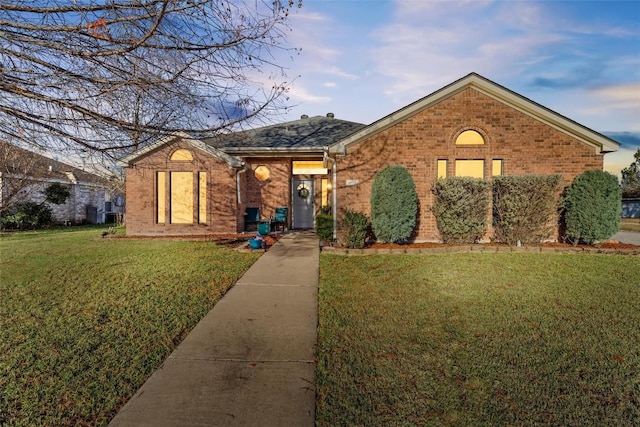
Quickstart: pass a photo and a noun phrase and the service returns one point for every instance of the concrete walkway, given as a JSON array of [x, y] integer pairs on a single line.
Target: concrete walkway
[[251, 360], [630, 237]]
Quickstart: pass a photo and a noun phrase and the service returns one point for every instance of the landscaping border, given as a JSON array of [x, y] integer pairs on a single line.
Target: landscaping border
[[481, 248]]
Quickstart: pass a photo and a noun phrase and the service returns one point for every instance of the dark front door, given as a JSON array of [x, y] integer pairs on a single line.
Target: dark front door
[[303, 201]]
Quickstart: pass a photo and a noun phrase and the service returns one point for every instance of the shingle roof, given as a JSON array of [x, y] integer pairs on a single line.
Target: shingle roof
[[41, 167], [305, 134]]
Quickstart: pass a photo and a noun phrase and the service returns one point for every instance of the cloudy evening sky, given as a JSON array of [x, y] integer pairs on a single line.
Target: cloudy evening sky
[[363, 59]]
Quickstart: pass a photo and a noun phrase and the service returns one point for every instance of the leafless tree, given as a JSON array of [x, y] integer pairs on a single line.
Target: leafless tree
[[19, 170], [105, 76]]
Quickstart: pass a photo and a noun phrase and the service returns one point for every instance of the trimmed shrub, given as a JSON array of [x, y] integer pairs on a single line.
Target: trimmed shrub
[[524, 207], [592, 207], [27, 215], [353, 229], [394, 205], [324, 227], [460, 206]]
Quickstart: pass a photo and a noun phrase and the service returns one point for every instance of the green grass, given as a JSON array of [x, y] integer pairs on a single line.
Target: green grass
[[84, 321], [479, 340]]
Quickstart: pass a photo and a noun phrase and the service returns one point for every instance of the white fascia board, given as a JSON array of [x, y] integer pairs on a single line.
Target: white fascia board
[[274, 151], [599, 142]]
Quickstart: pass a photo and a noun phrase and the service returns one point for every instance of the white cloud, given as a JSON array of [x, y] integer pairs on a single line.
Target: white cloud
[[427, 46], [335, 71], [298, 93], [613, 107], [621, 95], [320, 63]]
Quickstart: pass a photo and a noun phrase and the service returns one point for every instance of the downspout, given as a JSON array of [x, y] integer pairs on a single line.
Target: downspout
[[239, 193], [334, 197], [334, 191]]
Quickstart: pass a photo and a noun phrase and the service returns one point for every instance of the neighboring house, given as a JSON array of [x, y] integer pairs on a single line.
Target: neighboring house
[[24, 175], [472, 127]]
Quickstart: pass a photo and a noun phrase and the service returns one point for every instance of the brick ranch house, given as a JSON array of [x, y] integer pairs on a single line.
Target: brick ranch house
[[471, 127]]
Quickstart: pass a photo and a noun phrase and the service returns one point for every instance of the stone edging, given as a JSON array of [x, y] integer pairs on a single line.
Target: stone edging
[[480, 248]]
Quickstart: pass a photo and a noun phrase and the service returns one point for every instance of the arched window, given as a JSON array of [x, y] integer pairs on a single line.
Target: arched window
[[470, 137], [182, 155]]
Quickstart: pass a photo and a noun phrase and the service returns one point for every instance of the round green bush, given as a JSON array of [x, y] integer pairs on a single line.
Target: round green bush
[[592, 207], [57, 194], [394, 205]]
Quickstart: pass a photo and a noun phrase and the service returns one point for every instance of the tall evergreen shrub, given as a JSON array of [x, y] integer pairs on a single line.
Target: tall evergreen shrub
[[592, 207], [461, 205], [394, 205], [524, 207]]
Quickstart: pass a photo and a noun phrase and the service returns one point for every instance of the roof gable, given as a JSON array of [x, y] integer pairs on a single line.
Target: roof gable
[[195, 143], [601, 143]]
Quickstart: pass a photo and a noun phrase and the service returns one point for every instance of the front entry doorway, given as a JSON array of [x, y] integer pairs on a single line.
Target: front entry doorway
[[303, 197]]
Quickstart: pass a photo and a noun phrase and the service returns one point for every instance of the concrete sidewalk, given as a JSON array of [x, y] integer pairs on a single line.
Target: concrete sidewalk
[[251, 360], [630, 237]]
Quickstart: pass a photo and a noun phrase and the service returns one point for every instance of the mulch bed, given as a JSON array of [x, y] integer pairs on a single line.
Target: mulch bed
[[241, 240]]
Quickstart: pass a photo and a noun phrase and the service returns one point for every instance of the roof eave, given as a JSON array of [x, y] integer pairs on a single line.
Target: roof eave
[[273, 151]]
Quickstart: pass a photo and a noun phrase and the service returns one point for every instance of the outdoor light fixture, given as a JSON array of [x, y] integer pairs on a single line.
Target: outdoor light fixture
[[261, 173]]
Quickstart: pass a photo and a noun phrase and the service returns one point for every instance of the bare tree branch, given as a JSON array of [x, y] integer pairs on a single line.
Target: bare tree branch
[[111, 75]]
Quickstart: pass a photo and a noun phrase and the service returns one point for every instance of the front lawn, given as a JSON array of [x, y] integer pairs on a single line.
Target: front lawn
[[84, 321], [479, 340]]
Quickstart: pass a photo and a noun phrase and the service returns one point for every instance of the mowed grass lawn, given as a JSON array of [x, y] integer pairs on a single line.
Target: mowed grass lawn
[[84, 321], [502, 339]]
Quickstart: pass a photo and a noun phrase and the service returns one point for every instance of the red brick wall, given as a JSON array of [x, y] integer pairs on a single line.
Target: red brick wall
[[524, 144], [222, 214], [272, 193], [276, 191]]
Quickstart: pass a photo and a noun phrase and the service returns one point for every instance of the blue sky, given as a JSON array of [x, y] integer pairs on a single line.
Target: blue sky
[[363, 59]]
